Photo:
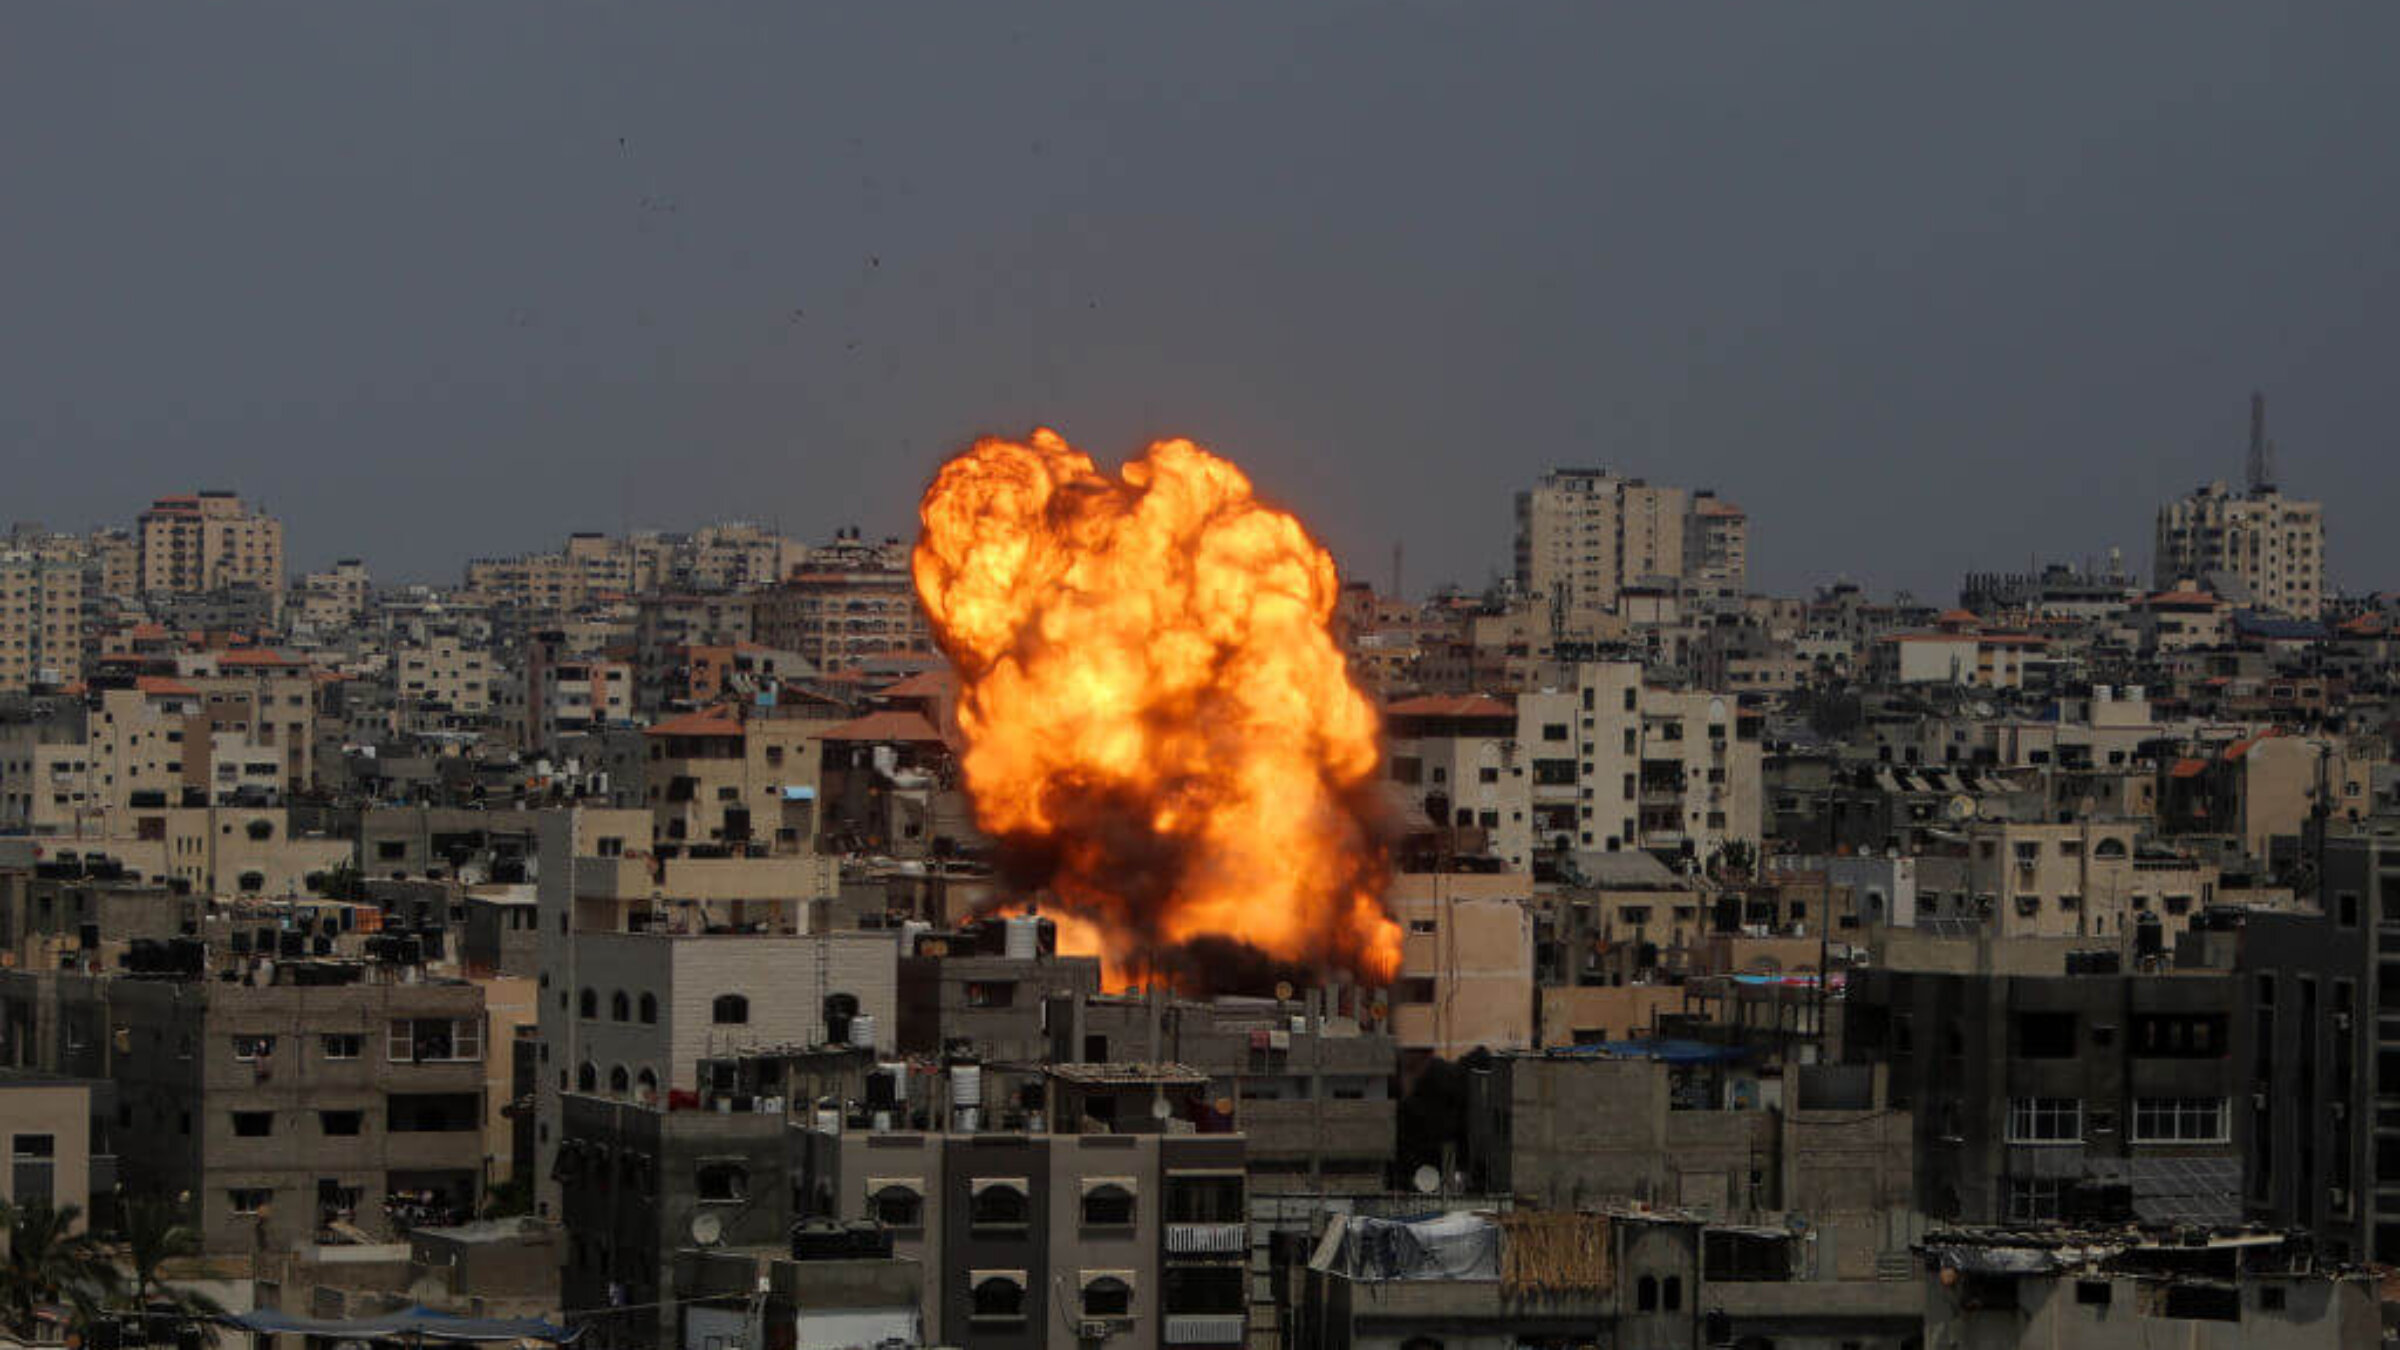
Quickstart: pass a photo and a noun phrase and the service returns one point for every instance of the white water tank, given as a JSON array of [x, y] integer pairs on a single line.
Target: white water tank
[[1022, 938], [862, 1031]]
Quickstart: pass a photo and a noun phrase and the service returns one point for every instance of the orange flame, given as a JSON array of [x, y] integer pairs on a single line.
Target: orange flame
[[1154, 706]]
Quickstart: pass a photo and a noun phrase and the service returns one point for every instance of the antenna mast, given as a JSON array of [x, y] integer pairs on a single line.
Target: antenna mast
[[2262, 467]]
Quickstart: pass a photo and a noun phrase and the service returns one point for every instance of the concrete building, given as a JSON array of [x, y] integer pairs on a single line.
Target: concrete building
[[1584, 534], [1716, 548], [1618, 763], [208, 541], [2317, 1041], [322, 1096], [649, 965], [2086, 878], [2037, 1098], [738, 776], [335, 598], [1466, 964], [1457, 758], [56, 1133], [843, 611], [2119, 1288], [2275, 545], [41, 620]]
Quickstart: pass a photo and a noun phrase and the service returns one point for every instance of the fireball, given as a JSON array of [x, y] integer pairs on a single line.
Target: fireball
[[1159, 727]]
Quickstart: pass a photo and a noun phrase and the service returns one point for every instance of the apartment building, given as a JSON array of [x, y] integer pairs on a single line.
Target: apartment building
[[208, 541], [2105, 1095], [648, 965], [41, 620], [1618, 763], [335, 598], [1456, 757], [2085, 878], [2317, 1039], [842, 613], [444, 672], [1716, 548], [312, 1098], [1584, 534], [2275, 545], [739, 776]]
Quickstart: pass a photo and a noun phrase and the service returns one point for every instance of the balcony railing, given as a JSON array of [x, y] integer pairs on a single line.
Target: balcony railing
[[1206, 1328], [1207, 1239]]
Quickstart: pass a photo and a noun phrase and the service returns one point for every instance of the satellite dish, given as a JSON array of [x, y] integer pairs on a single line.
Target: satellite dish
[[1159, 1110], [1426, 1180], [707, 1230], [1283, 991], [1959, 808]]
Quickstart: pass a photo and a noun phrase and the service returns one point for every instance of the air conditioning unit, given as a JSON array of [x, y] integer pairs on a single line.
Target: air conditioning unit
[[2337, 1198], [1091, 1329]]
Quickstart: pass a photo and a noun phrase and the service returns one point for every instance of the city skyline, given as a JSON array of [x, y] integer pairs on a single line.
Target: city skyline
[[515, 277]]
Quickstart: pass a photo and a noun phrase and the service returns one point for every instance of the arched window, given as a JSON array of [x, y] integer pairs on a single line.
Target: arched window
[[645, 1087], [262, 829], [999, 1204], [649, 1009], [588, 1003], [619, 1081], [620, 1008], [1107, 1296], [1000, 1296], [1108, 1204], [587, 1077], [2109, 848], [1671, 1294], [252, 882], [722, 1181], [730, 1010], [897, 1206], [1645, 1294]]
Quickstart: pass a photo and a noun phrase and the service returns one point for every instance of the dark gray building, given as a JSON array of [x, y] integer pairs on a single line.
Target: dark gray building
[[2099, 1095], [2319, 1041]]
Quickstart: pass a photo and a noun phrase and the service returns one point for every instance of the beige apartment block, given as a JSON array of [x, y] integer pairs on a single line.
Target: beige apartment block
[[1585, 534], [207, 541], [1716, 546], [41, 620], [738, 775], [2084, 879], [1466, 964], [2274, 543]]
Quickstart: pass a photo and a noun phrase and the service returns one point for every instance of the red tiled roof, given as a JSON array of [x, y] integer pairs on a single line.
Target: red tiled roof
[[2180, 598], [705, 722], [159, 686], [1450, 705], [886, 726], [1714, 507], [2242, 747], [252, 657], [2188, 768], [937, 682]]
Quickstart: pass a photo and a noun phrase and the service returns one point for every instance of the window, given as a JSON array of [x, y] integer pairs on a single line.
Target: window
[[2179, 1035], [253, 1124], [2181, 1120], [2046, 1035], [249, 1049], [589, 1003], [35, 1163], [1670, 1294], [1645, 1294], [999, 1204], [2034, 1198], [344, 1045], [1108, 1205], [620, 1082], [340, 1123], [722, 1181], [991, 993], [1000, 1298], [587, 1077], [897, 1206], [620, 1007], [730, 1010], [1554, 731], [2045, 1120], [649, 1009], [435, 1040], [1107, 1296], [249, 1199]]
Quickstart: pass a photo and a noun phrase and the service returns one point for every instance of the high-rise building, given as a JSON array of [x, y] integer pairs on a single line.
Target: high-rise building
[[208, 541], [1584, 534], [2272, 544], [41, 619], [1716, 547]]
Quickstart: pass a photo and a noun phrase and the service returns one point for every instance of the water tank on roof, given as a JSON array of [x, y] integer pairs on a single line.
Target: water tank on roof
[[1023, 941]]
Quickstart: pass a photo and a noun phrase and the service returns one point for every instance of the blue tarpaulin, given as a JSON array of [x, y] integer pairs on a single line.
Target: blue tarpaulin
[[408, 1324], [1672, 1052]]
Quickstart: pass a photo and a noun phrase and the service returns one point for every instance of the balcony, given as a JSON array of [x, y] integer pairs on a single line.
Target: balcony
[[1208, 1239], [1206, 1328]]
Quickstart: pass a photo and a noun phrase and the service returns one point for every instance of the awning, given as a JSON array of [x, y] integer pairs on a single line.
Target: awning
[[415, 1323], [799, 794]]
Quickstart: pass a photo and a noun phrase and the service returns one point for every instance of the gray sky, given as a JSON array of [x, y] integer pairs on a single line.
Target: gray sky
[[1926, 288]]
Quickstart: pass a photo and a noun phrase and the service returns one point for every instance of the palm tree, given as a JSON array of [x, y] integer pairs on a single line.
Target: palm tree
[[47, 1261], [155, 1232]]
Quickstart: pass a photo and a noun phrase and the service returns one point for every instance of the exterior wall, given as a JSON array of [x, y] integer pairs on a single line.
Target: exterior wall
[[207, 542], [1466, 965], [61, 1112], [2275, 544], [2082, 880]]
